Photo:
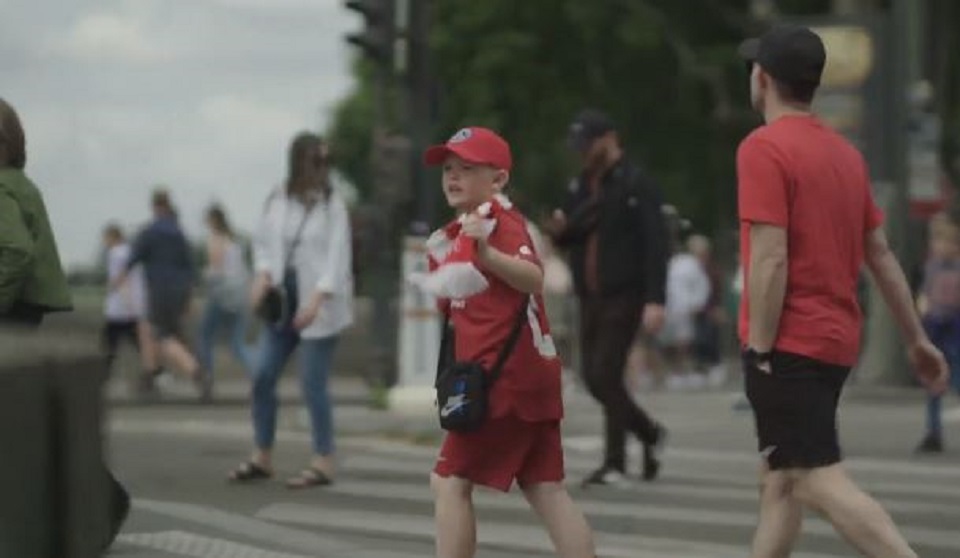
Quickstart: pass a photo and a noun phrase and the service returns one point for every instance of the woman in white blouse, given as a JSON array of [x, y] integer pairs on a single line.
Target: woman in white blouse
[[302, 245]]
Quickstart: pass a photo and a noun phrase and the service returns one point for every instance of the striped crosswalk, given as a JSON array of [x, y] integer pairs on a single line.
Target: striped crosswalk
[[704, 506]]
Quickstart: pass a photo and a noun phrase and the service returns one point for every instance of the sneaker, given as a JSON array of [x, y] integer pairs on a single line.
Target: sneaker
[[605, 476], [651, 454], [931, 444]]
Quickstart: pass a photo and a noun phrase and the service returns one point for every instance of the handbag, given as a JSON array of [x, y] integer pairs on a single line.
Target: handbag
[[275, 307], [463, 388]]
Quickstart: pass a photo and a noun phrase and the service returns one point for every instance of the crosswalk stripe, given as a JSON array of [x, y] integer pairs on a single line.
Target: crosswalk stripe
[[575, 445], [674, 471], [412, 493], [508, 536], [952, 416], [198, 546], [749, 497], [300, 541]]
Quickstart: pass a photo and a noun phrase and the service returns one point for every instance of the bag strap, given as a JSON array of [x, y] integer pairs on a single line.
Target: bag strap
[[446, 342], [446, 345], [510, 344], [297, 236]]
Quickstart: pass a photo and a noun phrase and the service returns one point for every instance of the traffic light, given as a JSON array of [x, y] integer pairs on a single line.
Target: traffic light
[[377, 38]]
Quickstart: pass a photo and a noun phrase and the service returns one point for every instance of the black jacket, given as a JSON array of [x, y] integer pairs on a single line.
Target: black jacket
[[632, 244]]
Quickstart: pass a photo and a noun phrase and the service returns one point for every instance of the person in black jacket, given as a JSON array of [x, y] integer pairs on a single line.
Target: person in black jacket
[[613, 229]]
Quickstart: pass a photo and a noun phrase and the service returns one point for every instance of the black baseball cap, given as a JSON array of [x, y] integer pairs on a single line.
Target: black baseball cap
[[791, 54], [588, 125]]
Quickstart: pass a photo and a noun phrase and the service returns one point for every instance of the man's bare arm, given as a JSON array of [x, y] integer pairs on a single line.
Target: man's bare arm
[[766, 283], [893, 285]]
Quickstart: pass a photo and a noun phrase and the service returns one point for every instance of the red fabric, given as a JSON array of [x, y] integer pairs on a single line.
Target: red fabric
[[477, 145], [798, 174], [504, 450], [529, 386]]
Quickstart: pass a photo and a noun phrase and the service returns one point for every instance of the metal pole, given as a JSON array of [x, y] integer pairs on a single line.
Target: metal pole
[[420, 97], [885, 361]]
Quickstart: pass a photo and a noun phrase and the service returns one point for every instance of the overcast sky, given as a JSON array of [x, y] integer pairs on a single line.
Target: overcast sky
[[201, 95]]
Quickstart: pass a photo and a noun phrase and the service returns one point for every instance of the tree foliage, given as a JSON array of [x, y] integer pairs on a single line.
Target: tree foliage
[[667, 72]]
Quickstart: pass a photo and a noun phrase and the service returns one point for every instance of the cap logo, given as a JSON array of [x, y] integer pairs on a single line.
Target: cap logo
[[461, 136]]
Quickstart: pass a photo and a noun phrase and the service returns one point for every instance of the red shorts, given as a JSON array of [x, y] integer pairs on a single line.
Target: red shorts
[[504, 449]]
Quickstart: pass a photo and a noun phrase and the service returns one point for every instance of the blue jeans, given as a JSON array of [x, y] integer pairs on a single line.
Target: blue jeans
[[216, 317], [316, 357], [945, 334]]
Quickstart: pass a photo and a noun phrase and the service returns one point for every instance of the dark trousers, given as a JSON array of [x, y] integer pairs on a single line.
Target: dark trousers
[[113, 333], [608, 326]]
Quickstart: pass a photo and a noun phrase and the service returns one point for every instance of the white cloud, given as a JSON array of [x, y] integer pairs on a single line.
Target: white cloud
[[270, 4], [203, 95], [236, 113], [112, 37]]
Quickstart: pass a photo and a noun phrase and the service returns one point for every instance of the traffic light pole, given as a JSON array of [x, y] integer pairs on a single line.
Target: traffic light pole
[[885, 360], [420, 97]]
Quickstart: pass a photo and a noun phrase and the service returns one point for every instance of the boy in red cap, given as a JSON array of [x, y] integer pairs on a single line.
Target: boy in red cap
[[520, 436]]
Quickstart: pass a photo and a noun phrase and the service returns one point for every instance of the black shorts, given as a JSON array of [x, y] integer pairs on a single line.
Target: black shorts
[[167, 309], [116, 331], [795, 409]]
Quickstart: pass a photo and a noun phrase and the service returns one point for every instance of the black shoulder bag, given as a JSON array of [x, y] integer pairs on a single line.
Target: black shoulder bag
[[275, 307], [463, 388]]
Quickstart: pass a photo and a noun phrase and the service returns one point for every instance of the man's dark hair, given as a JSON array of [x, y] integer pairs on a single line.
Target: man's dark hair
[[161, 200], [13, 144], [797, 92]]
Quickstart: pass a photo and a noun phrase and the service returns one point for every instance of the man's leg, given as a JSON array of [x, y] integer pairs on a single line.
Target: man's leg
[[592, 373], [781, 515], [148, 347], [109, 341], [855, 515], [617, 329], [455, 518], [568, 528]]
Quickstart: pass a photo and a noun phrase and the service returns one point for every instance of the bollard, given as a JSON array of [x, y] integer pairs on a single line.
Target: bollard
[[56, 489], [419, 338], [27, 511]]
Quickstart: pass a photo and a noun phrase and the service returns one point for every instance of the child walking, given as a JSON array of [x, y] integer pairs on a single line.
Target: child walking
[[486, 273], [939, 306]]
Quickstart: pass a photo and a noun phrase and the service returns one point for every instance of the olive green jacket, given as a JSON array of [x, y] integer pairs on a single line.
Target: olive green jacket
[[30, 272]]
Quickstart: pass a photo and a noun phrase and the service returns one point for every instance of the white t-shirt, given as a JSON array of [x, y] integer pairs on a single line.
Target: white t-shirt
[[127, 302], [688, 286]]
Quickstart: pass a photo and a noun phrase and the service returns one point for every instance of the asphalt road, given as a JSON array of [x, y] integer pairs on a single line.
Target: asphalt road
[[174, 457]]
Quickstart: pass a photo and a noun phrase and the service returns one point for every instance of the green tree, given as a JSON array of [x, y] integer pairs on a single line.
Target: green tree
[[666, 71]]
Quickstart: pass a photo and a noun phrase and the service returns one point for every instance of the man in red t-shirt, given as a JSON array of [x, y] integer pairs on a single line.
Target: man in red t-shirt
[[808, 223], [520, 437]]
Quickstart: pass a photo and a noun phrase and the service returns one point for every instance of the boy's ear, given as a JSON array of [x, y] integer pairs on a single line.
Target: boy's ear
[[501, 179]]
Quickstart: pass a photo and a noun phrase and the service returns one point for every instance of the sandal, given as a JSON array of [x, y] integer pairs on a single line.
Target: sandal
[[309, 478], [248, 472]]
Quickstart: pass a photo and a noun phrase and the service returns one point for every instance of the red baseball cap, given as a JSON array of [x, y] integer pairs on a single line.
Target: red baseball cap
[[480, 146]]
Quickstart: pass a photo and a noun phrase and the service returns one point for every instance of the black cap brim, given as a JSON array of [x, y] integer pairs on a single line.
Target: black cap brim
[[749, 50]]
